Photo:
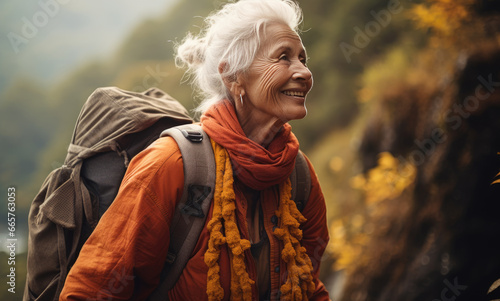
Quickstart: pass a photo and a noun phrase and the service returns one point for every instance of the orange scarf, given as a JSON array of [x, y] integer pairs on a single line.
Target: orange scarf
[[257, 167]]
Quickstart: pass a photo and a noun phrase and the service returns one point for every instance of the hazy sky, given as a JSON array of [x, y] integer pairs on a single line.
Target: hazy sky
[[45, 38]]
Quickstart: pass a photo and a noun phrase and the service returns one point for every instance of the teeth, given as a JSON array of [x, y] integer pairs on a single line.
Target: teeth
[[294, 93]]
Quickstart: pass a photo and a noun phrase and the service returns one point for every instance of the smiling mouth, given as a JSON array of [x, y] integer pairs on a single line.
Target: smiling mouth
[[294, 93]]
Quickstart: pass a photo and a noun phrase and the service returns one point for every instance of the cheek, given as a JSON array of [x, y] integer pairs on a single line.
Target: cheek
[[271, 81]]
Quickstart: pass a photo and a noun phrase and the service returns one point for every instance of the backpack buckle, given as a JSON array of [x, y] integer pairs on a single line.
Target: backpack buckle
[[193, 136], [170, 258]]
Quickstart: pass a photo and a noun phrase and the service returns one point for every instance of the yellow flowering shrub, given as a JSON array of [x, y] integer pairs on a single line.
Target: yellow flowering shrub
[[385, 181], [444, 16], [350, 236]]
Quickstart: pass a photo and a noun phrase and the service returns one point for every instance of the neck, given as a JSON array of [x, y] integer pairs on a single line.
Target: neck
[[259, 128]]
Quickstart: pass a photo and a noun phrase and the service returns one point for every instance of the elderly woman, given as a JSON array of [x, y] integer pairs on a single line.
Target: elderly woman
[[250, 65]]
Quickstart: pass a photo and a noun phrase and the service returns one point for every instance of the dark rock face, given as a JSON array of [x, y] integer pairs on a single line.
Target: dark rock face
[[444, 241]]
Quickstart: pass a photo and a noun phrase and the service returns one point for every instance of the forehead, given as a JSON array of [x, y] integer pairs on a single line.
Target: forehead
[[278, 35]]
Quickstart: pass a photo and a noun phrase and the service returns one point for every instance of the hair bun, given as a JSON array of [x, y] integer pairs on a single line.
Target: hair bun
[[191, 52]]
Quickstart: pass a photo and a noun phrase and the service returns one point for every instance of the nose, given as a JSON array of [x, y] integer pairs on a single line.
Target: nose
[[301, 72]]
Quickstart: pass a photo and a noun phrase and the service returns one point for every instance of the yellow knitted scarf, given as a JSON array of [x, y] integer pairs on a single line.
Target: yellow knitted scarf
[[299, 284]]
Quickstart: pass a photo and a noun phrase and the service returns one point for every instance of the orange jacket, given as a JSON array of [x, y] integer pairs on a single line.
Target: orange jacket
[[124, 256]]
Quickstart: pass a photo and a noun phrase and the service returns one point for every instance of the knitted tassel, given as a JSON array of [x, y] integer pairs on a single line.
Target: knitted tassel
[[224, 210], [299, 284], [214, 288]]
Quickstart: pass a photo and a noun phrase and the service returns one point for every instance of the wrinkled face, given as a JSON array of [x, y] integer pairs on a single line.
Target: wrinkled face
[[278, 80]]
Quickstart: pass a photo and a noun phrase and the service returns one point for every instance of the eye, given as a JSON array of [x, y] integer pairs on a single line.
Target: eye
[[304, 61], [283, 57]]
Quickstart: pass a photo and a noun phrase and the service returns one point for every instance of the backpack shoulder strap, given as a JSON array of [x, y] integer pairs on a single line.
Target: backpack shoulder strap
[[301, 181], [190, 214]]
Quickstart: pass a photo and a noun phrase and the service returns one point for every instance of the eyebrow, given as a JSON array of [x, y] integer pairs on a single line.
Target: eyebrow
[[289, 49]]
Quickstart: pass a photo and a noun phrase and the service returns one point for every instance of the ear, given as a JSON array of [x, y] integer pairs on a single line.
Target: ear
[[233, 83]]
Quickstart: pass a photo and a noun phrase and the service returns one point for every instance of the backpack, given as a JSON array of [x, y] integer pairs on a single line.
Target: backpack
[[114, 125]]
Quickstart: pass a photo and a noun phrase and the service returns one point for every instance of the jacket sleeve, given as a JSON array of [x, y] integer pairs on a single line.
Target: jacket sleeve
[[315, 232], [123, 257]]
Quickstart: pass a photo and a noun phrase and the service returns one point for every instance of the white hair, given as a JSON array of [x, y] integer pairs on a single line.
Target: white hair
[[230, 36]]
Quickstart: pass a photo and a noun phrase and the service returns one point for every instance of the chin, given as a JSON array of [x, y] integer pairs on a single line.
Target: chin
[[298, 114]]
